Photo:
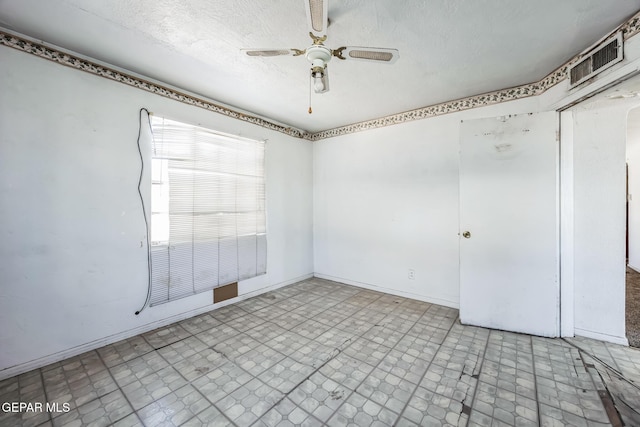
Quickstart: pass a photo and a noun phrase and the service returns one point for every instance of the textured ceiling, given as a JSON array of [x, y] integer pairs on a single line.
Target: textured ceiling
[[449, 49]]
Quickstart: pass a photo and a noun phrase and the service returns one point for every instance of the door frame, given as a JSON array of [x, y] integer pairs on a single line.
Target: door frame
[[566, 235]]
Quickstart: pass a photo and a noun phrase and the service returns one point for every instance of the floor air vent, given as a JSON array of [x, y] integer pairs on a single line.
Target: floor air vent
[[599, 59]]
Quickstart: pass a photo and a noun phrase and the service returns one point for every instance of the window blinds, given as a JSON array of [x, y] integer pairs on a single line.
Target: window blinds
[[208, 223]]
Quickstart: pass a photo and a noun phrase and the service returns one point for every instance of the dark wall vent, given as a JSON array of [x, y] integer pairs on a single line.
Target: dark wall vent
[[596, 60]]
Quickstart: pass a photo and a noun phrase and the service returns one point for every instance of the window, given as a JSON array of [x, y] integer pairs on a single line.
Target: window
[[208, 224]]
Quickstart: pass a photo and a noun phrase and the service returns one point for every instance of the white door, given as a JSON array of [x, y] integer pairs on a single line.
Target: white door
[[509, 234]]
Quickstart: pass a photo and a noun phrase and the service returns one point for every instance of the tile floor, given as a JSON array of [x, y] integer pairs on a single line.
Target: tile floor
[[323, 353]]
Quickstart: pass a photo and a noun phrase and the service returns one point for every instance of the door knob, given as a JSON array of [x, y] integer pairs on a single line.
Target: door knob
[[466, 234]]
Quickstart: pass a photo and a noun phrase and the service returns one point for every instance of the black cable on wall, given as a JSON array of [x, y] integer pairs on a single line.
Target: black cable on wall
[[144, 211]]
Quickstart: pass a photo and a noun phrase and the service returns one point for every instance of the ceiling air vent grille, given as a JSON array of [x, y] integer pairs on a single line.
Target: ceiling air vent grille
[[599, 59]]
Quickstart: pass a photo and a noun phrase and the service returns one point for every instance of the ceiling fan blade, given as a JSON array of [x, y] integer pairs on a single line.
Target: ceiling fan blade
[[272, 52], [372, 54], [317, 16]]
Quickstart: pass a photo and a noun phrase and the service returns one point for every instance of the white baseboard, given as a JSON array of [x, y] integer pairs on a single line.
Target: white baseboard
[[433, 300], [92, 345], [602, 337]]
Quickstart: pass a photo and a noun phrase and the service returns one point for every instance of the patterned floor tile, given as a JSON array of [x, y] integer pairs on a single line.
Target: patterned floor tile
[[78, 380], [418, 347], [27, 388], [313, 354], [310, 329], [287, 342], [363, 298], [346, 370], [285, 414], [508, 363], [336, 338], [504, 405], [90, 362], [313, 309], [405, 365], [201, 323], [199, 364], [246, 322], [286, 375], [360, 411], [322, 300], [387, 390], [217, 334], [210, 417], [384, 305], [627, 360], [290, 291], [226, 313], [427, 332], [428, 408], [336, 314], [131, 420], [323, 353], [181, 350], [249, 402], [144, 391], [560, 363], [175, 408], [138, 368], [335, 294], [439, 317], [221, 381], [123, 351], [289, 319], [236, 346], [444, 381], [256, 303], [319, 396], [266, 332], [166, 335], [259, 359], [414, 306], [367, 351], [382, 335], [105, 410], [270, 313]]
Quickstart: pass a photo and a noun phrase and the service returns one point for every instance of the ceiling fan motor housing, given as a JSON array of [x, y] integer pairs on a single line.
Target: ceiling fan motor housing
[[318, 55]]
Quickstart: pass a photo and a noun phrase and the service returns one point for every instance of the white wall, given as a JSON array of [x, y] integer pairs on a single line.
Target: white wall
[[386, 201], [73, 266], [633, 162], [73, 271]]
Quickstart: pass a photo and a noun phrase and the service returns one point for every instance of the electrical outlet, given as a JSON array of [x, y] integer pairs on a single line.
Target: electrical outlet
[[412, 274]]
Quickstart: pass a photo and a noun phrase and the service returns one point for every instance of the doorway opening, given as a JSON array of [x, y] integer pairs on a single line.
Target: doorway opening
[[632, 294]]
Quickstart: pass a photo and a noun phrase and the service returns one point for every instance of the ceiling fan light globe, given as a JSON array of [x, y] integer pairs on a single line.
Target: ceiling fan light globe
[[318, 85]]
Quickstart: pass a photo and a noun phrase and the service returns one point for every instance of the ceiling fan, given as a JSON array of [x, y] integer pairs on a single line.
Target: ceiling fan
[[319, 55]]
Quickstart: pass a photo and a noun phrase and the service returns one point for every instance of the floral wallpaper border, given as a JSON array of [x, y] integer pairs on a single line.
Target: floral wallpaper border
[[111, 74], [629, 29]]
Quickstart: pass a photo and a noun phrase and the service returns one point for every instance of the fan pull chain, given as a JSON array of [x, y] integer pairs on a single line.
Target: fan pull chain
[[310, 83]]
